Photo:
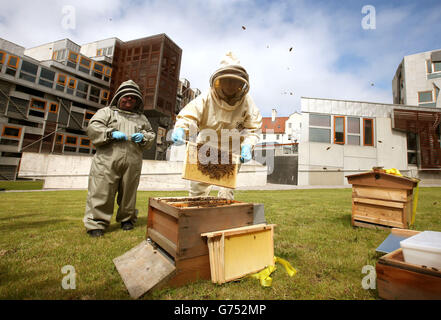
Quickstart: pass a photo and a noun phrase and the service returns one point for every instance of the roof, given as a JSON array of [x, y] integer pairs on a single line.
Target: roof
[[278, 126]]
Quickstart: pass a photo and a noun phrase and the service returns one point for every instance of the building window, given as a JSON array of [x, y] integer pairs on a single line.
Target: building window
[[368, 132], [94, 94], [47, 78], [277, 136], [425, 96], [72, 59], [53, 107], [61, 82], [71, 85], [85, 65], [264, 136], [39, 105], [59, 138], [99, 52], [59, 55], [339, 130], [2, 58], [84, 142], [105, 95], [11, 132], [71, 140], [82, 89], [353, 134], [98, 70], [319, 128], [28, 71], [429, 66], [437, 66], [412, 147], [12, 65]]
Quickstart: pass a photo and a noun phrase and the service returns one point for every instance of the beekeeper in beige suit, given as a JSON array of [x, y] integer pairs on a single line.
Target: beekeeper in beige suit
[[120, 133], [226, 106]]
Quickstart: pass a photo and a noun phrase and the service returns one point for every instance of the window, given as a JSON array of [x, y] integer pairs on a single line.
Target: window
[[11, 132], [28, 71], [12, 65], [82, 89], [105, 95], [85, 65], [84, 142], [368, 130], [59, 55], [429, 66], [412, 147], [99, 52], [59, 138], [71, 85], [94, 94], [437, 66], [264, 136], [353, 135], [39, 105], [53, 107], [70, 140], [319, 128], [339, 129], [289, 125], [425, 96], [107, 74], [277, 136], [47, 78], [2, 57], [98, 70], [72, 59], [61, 82], [88, 115]]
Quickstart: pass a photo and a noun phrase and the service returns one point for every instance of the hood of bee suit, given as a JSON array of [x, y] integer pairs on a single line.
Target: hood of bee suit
[[126, 88], [229, 68]]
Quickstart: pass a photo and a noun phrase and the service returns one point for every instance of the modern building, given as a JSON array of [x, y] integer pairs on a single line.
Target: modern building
[[49, 93], [341, 137]]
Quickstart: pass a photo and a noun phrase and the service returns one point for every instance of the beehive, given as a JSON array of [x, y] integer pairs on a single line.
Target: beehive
[[381, 200], [176, 225]]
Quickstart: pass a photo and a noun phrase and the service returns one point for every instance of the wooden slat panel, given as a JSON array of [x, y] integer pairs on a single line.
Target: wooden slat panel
[[163, 242], [164, 207], [382, 180], [385, 213], [164, 224], [382, 203], [191, 270], [198, 221], [379, 193]]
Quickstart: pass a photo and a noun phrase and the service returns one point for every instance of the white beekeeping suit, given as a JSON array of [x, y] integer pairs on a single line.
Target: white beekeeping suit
[[220, 109]]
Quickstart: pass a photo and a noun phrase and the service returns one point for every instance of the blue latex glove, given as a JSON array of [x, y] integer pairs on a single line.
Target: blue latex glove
[[137, 137], [118, 135], [178, 136], [245, 153]]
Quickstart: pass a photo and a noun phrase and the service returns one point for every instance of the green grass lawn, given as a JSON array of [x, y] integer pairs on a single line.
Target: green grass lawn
[[43, 231]]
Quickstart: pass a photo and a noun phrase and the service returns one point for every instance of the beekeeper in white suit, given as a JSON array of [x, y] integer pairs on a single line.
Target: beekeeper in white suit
[[226, 106]]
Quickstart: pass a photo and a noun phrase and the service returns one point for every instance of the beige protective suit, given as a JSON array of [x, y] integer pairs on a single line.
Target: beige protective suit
[[116, 166], [210, 110]]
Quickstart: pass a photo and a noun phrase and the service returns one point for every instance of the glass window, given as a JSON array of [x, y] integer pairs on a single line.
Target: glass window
[[53, 107], [73, 56], [85, 62], [368, 128], [38, 104], [13, 62], [11, 132], [59, 139], [82, 89], [2, 57], [71, 140], [47, 78], [339, 130], [353, 125], [85, 142], [319, 120], [353, 140], [88, 115], [425, 96], [98, 67], [437, 66], [29, 67], [319, 135], [429, 66]]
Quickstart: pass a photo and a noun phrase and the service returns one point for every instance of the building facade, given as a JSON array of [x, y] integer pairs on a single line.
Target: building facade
[[50, 92]]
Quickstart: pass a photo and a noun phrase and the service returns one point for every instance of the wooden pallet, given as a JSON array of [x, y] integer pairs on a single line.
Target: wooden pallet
[[192, 172], [235, 253]]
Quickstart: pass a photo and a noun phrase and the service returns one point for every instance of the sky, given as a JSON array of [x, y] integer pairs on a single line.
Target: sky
[[322, 49]]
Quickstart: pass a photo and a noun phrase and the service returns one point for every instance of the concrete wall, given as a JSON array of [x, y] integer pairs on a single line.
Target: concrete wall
[[72, 172]]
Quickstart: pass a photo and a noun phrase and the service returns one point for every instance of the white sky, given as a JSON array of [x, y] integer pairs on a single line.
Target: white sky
[[332, 56]]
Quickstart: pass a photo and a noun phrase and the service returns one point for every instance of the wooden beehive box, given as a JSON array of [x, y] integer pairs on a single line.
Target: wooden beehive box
[[235, 253], [399, 280], [381, 200], [176, 225], [192, 172]]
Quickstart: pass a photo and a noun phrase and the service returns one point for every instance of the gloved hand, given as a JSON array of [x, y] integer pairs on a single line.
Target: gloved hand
[[137, 137], [245, 153], [118, 135], [178, 136]]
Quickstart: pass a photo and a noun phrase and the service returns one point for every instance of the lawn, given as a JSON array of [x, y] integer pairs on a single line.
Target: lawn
[[43, 231]]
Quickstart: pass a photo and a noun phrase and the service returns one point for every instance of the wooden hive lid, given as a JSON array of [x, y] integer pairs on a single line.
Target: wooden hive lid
[[381, 179]]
